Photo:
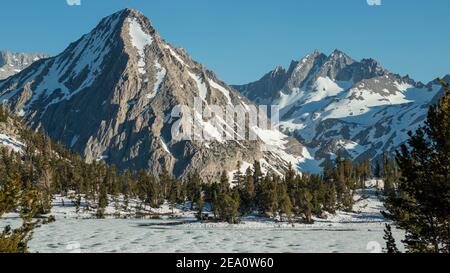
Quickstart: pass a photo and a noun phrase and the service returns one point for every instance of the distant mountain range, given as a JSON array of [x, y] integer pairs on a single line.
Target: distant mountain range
[[12, 63], [336, 105], [111, 93], [110, 96]]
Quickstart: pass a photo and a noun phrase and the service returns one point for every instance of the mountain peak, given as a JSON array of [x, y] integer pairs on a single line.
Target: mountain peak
[[337, 51], [122, 17], [340, 55], [316, 52], [128, 12], [115, 89]]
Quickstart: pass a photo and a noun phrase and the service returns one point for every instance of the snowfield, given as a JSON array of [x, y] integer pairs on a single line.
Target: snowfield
[[360, 231], [11, 143]]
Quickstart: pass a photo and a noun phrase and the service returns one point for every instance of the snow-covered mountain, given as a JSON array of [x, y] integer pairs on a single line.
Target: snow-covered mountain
[[110, 96], [12, 63], [334, 104]]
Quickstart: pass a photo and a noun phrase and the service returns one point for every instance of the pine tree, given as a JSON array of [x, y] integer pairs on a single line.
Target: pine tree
[[78, 203], [215, 199], [267, 197], [249, 193], [9, 194], [200, 206], [102, 201], [224, 182], [194, 189], [228, 208], [330, 198], [173, 195], [377, 171], [306, 206], [12, 197], [285, 204], [238, 177], [421, 203], [3, 114], [391, 247], [257, 173]]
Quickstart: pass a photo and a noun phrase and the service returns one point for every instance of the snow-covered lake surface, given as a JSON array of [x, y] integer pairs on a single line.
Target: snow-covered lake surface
[[115, 235], [360, 231]]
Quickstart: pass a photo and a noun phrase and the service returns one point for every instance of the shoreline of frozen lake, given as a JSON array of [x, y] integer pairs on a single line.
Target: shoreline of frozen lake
[[360, 231], [161, 236]]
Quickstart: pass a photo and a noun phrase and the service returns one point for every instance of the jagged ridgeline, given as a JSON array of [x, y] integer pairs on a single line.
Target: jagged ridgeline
[[110, 96], [335, 105], [12, 63]]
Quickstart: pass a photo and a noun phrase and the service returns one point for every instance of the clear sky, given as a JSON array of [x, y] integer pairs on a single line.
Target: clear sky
[[243, 39]]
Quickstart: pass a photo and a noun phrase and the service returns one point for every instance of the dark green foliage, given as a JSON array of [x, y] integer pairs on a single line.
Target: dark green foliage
[[29, 181], [391, 247], [200, 205], [420, 202], [391, 175], [3, 114], [17, 193], [102, 201]]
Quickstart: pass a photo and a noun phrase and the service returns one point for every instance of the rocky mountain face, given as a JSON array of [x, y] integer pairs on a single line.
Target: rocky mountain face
[[111, 96], [10, 135], [12, 63], [334, 104]]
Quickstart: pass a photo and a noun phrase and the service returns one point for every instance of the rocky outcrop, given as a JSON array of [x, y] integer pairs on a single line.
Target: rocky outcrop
[[334, 104], [110, 96], [12, 63]]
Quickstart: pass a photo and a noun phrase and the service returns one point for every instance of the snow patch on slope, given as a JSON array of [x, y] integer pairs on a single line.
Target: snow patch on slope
[[74, 141], [160, 75], [164, 145], [140, 40], [11, 143], [203, 90], [222, 89], [175, 55]]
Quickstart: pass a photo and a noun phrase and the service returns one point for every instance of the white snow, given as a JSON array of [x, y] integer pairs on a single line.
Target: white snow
[[203, 90], [222, 89], [11, 143], [164, 145], [74, 140], [325, 87], [272, 138], [308, 163], [102, 157], [244, 166], [343, 232], [352, 147], [210, 131], [140, 40], [87, 56], [160, 75], [359, 118], [175, 55]]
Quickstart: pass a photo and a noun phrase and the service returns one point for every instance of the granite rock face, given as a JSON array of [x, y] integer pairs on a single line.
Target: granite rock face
[[12, 63], [336, 105], [110, 96]]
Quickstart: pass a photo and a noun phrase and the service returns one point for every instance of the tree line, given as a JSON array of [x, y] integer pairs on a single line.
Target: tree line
[[418, 200], [416, 187]]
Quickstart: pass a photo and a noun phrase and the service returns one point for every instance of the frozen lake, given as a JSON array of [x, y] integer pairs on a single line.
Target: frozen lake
[[116, 235], [360, 231]]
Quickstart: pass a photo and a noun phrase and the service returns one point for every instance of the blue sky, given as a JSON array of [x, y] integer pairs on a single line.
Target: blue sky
[[243, 39]]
